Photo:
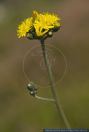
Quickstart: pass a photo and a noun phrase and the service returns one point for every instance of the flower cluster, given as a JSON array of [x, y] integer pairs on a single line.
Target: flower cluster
[[39, 26]]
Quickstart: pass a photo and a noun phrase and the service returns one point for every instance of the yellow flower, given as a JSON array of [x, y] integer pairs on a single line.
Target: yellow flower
[[52, 20], [38, 25], [44, 22], [24, 27]]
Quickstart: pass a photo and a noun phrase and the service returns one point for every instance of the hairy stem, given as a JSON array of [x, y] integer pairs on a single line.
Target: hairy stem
[[52, 84]]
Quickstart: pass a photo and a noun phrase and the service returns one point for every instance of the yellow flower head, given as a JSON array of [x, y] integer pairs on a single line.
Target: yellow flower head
[[24, 27], [44, 22], [39, 25]]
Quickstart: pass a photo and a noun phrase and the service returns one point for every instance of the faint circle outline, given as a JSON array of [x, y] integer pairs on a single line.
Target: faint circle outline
[[50, 46]]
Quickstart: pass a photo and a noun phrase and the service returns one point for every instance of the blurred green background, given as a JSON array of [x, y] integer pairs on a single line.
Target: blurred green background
[[19, 112]]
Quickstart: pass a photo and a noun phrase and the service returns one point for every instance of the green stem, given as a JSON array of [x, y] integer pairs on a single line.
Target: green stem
[[52, 84]]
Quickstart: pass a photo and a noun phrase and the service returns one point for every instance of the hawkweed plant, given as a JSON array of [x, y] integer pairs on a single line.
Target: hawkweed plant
[[42, 26]]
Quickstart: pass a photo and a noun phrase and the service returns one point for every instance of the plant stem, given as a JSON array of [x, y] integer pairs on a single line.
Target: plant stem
[[45, 99], [52, 84]]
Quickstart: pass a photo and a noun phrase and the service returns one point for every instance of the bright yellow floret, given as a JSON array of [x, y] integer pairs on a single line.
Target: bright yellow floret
[[24, 27], [52, 20]]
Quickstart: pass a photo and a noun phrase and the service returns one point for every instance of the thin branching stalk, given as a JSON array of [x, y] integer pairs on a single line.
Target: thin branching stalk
[[53, 88], [45, 99]]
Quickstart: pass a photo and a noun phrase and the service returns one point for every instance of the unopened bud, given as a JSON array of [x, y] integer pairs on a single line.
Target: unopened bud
[[50, 33]]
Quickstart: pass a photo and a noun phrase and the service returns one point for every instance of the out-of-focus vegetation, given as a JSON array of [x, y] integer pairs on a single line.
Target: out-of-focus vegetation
[[18, 111]]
